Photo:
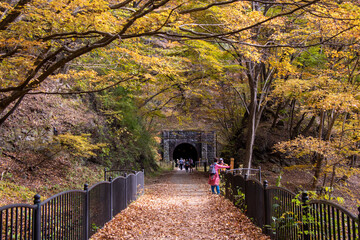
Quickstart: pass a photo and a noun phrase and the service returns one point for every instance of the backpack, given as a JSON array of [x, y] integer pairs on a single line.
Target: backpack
[[212, 169]]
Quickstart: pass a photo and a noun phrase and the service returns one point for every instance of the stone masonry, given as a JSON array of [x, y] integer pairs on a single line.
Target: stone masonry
[[204, 143]]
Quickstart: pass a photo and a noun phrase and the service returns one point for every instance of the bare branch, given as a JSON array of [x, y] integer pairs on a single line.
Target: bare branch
[[83, 92]]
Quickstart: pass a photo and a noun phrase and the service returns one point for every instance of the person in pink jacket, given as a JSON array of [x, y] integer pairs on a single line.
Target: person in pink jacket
[[214, 180]]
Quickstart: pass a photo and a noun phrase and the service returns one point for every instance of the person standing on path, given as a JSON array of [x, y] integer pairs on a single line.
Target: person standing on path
[[181, 163], [214, 180]]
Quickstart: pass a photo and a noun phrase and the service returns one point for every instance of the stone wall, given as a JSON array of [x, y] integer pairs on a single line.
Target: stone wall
[[204, 143]]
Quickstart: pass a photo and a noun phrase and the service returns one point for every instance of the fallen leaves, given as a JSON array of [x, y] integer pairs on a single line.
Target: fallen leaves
[[180, 206]]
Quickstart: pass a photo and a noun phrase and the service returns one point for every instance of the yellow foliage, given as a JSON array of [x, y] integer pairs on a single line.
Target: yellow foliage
[[79, 145]]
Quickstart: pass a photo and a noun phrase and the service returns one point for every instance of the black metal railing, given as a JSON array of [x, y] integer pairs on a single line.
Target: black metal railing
[[72, 215], [250, 173], [286, 216]]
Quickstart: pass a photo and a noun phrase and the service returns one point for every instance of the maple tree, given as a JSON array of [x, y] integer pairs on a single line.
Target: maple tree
[[272, 43], [38, 38]]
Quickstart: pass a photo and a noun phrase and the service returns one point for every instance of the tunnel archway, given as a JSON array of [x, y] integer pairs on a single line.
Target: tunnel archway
[[185, 151]]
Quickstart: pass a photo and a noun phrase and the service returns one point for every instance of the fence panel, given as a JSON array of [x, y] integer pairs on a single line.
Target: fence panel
[[140, 183], [331, 221], [254, 198], [99, 206], [16, 221], [285, 214], [62, 216], [130, 188], [119, 195], [238, 190]]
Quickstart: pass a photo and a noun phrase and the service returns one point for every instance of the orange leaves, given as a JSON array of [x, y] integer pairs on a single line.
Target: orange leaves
[[180, 207]]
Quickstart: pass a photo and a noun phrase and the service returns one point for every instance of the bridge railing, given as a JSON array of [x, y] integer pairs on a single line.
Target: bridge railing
[[72, 215], [285, 216]]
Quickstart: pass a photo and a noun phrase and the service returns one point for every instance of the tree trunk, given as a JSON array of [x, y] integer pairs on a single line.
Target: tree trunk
[[253, 83], [319, 158]]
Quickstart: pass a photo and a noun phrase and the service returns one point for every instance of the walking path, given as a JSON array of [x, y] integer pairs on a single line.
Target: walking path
[[180, 206]]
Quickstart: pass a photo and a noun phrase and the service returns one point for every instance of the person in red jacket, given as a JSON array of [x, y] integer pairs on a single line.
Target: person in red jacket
[[214, 180]]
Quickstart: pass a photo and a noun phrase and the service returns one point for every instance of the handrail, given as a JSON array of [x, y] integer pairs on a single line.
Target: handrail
[[70, 213]]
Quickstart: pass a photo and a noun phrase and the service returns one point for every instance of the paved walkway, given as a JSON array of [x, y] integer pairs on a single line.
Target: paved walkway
[[179, 205]]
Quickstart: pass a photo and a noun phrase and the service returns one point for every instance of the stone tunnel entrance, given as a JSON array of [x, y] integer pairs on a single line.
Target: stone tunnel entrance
[[185, 151], [198, 145]]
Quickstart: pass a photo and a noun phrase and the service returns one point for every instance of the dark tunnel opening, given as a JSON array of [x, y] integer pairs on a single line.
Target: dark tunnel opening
[[185, 151]]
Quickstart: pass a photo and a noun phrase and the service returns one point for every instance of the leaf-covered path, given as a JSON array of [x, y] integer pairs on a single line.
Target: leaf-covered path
[[179, 206]]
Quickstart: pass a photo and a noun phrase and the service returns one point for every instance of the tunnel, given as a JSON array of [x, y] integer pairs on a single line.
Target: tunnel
[[185, 151]]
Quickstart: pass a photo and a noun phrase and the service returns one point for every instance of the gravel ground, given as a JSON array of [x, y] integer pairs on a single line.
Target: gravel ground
[[180, 205]]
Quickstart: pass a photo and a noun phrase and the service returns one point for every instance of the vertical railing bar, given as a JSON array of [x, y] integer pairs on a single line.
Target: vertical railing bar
[[75, 218], [86, 212], [48, 227], [21, 221], [72, 215], [329, 220], [46, 222], [289, 210], [67, 216], [353, 228], [42, 220], [58, 214], [52, 218], [333, 221], [62, 217], [11, 221], [358, 222], [16, 222], [25, 223], [79, 216], [47, 217], [326, 222], [338, 223], [294, 219], [323, 221], [343, 225], [1, 224], [348, 224], [318, 221], [66, 227], [311, 226], [6, 223], [62, 223]]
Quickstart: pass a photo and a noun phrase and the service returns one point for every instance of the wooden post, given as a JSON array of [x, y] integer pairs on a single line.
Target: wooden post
[[231, 163]]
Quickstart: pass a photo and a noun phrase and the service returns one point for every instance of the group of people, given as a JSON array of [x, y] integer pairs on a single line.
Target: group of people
[[214, 177], [188, 164]]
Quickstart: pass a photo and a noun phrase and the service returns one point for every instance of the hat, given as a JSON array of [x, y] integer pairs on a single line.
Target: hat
[[221, 160]]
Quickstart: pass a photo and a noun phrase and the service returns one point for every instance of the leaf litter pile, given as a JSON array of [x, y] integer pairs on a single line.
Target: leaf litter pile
[[180, 206]]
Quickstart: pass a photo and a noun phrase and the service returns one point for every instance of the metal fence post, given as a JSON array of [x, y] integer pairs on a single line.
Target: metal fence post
[[126, 187], [111, 198], [86, 212], [305, 217], [37, 218], [266, 210], [260, 174]]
